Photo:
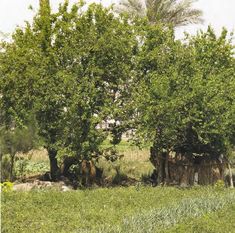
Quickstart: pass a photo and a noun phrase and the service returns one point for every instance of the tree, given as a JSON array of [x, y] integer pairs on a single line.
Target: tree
[[66, 72], [20, 139], [186, 97], [177, 13], [102, 73]]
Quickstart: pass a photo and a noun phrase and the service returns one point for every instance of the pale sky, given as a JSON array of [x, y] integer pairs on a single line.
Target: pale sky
[[218, 13]]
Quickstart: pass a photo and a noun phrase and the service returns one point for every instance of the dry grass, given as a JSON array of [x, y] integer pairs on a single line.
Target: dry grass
[[136, 155], [134, 164], [38, 155]]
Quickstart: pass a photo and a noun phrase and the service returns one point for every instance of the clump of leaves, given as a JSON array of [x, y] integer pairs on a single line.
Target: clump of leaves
[[6, 186]]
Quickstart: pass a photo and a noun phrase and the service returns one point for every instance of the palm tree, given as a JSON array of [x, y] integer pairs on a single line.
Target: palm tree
[[176, 12]]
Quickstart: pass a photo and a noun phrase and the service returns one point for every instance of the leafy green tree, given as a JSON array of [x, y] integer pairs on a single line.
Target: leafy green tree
[[186, 101], [177, 13], [27, 86], [66, 72], [102, 72]]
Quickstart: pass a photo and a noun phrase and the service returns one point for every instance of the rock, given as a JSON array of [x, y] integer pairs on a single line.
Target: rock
[[46, 184], [42, 185], [65, 188], [23, 187]]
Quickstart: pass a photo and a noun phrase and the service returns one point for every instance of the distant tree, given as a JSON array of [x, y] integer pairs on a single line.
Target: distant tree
[[177, 13], [13, 140]]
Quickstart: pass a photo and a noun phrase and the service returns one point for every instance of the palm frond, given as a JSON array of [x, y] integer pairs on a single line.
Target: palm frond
[[182, 14], [132, 7], [176, 12]]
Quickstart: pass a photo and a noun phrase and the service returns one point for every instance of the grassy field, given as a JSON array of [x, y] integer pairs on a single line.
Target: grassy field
[[218, 222], [133, 209]]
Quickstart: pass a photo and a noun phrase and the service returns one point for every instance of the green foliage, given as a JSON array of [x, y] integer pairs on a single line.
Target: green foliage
[[220, 184], [74, 70], [18, 139], [25, 167], [217, 222], [6, 186], [69, 76], [13, 141], [115, 210], [182, 96], [166, 217]]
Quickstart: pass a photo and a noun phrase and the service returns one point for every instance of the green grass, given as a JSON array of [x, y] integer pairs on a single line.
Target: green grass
[[218, 222], [132, 209], [124, 145]]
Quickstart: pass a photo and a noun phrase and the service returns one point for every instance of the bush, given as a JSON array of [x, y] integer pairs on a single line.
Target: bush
[[6, 186], [27, 167]]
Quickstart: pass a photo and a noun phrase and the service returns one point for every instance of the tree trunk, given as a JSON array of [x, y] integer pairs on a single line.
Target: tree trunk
[[67, 163], [12, 167], [230, 176], [12, 155], [184, 177], [54, 169], [160, 178], [167, 168]]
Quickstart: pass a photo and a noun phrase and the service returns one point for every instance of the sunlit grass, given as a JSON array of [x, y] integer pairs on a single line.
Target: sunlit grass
[[132, 209]]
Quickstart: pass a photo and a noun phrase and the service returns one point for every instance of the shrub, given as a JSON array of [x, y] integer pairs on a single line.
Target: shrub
[[7, 186]]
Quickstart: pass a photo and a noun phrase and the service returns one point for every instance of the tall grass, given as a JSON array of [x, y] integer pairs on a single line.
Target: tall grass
[[221, 221], [156, 220], [39, 155]]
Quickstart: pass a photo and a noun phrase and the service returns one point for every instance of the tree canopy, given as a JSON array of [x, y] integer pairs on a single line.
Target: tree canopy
[[69, 76], [186, 102]]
